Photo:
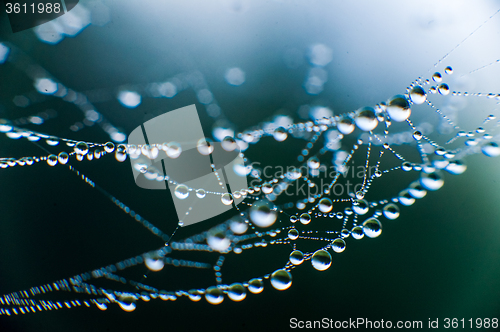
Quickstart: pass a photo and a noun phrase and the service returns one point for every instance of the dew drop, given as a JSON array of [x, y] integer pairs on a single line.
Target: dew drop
[[52, 160], [172, 149], [448, 70], [63, 158], [456, 167], [443, 89], [262, 215], [416, 190], [321, 260], [372, 227], [357, 233], [431, 181], [296, 257], [366, 119], [227, 199], [338, 245], [236, 292], [360, 206], [229, 144], [417, 135], [214, 295], [280, 134], [255, 286], [218, 241], [313, 163], [418, 95], [281, 279], [391, 211], [491, 149], [81, 148], [200, 193], [436, 77], [181, 191], [325, 205], [305, 218], [345, 126], [398, 108], [205, 146], [293, 234], [109, 147]]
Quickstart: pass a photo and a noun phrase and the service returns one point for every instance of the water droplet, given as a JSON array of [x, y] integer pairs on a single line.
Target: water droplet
[[391, 211], [281, 279], [52, 160], [280, 134], [305, 218], [398, 108], [109, 147], [418, 95], [405, 198], [229, 144], [214, 295], [406, 166], [293, 234], [431, 181], [236, 292], [63, 158], [448, 70], [255, 286], [345, 126], [436, 77], [154, 264], [321, 260], [372, 227], [325, 205], [181, 191], [378, 173], [416, 190], [296, 257], [218, 241], [456, 167], [226, 199], [338, 245], [443, 89], [366, 119], [313, 163], [360, 206], [172, 149], [262, 215], [200, 193], [267, 188], [491, 149], [238, 227], [357, 233], [360, 194], [293, 219], [417, 135], [205, 146], [81, 148]]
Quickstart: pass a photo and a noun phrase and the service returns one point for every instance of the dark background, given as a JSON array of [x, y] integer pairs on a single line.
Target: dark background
[[439, 259]]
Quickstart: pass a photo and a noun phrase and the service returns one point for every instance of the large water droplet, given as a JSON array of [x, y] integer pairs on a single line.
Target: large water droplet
[[491, 149], [205, 146], [357, 232], [418, 95], [391, 211], [398, 108], [81, 148], [262, 215], [443, 89], [366, 119], [321, 260], [172, 149], [345, 126], [229, 144], [305, 218], [325, 205], [226, 199], [296, 257], [281, 279], [214, 295], [181, 191], [280, 134], [293, 234], [236, 292], [338, 245], [313, 162], [431, 181], [360, 206], [372, 227], [255, 286]]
